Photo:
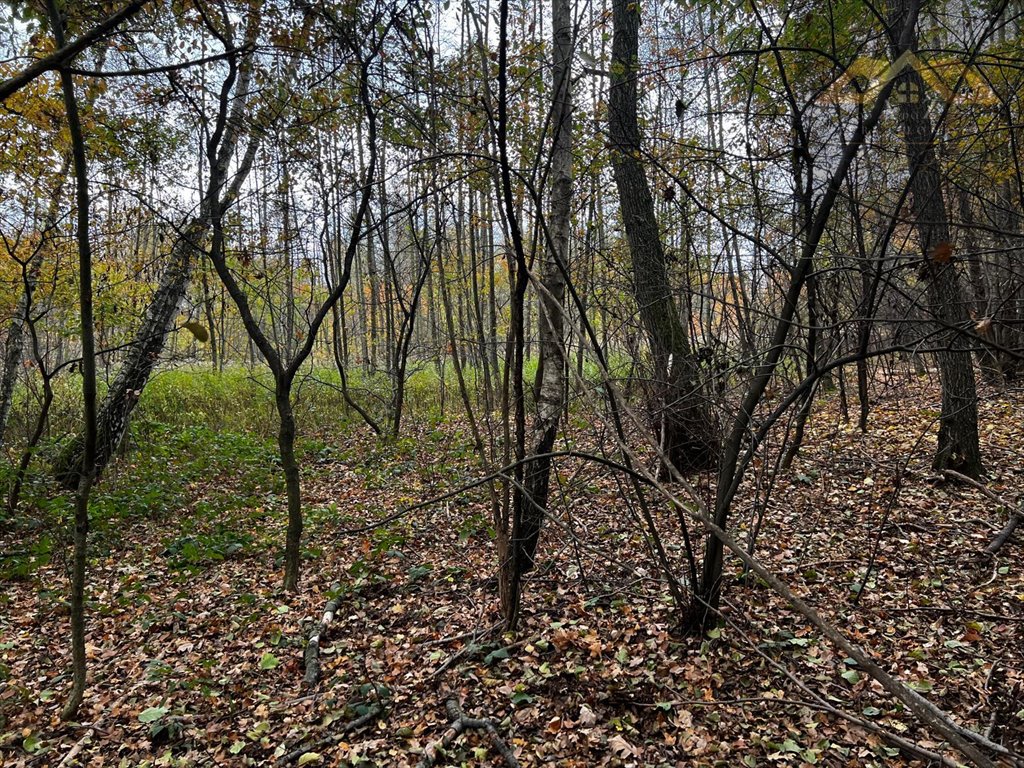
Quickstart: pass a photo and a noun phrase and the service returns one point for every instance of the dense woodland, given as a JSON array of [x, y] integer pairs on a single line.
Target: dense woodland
[[402, 382]]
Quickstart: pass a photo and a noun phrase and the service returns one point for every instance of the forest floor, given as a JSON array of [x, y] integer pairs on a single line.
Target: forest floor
[[196, 655]]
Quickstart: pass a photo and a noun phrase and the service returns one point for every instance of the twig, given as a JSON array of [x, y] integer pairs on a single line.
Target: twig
[[371, 714], [475, 634], [471, 647], [461, 723], [73, 752], [980, 486]]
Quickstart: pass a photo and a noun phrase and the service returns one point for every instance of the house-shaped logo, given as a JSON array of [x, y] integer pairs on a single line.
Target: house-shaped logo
[[948, 79]]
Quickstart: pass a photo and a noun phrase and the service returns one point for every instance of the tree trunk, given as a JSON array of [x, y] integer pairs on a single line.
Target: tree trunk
[[142, 356], [549, 384], [292, 482], [958, 423], [85, 478], [686, 430]]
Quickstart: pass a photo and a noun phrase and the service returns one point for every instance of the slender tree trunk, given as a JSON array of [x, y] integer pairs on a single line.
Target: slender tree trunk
[[514, 402], [988, 359], [811, 360], [148, 344], [85, 478], [549, 384], [687, 430]]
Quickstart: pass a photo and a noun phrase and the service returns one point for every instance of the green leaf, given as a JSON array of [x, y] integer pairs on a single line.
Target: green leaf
[[789, 746], [922, 686], [851, 676], [32, 743], [495, 655], [309, 757], [237, 747], [152, 714], [872, 711], [268, 661]]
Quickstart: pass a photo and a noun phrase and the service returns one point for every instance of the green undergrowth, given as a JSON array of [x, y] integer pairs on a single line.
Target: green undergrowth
[[201, 460], [193, 479]]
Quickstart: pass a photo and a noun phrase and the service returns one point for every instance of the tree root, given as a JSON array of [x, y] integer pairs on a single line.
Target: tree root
[[459, 724]]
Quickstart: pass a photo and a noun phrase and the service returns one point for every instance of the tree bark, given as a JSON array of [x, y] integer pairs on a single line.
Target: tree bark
[[549, 384], [292, 482], [686, 430], [958, 447], [85, 304]]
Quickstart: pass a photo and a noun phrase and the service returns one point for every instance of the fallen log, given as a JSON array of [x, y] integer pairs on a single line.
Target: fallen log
[[312, 654]]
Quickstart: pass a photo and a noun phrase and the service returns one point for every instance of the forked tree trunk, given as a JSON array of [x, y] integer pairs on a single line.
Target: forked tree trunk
[[15, 342], [684, 424], [958, 447]]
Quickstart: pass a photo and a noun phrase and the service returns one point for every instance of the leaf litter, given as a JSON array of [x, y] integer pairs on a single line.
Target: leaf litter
[[196, 655]]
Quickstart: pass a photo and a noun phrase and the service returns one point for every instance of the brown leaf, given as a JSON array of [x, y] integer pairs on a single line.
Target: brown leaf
[[941, 253], [201, 334]]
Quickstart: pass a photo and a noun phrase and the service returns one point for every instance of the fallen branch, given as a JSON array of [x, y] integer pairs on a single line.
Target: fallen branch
[[460, 724], [327, 741], [967, 742], [312, 655], [1004, 535], [1011, 525], [76, 749]]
